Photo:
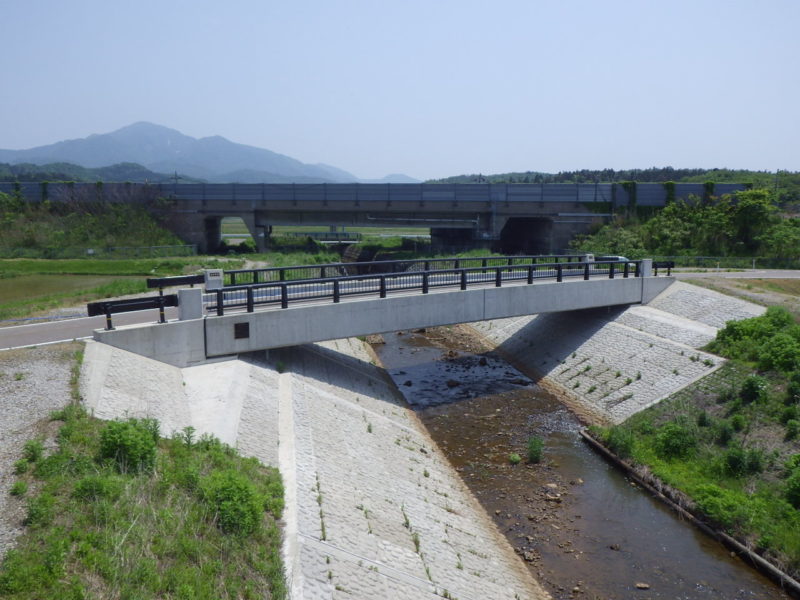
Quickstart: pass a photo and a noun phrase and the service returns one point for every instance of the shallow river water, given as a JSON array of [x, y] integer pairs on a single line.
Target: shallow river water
[[583, 528]]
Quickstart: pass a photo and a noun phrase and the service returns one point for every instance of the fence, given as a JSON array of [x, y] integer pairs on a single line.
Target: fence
[[110, 252], [732, 262], [334, 289]]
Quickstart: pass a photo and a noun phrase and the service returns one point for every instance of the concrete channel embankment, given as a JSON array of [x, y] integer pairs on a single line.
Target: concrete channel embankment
[[373, 509], [611, 363]]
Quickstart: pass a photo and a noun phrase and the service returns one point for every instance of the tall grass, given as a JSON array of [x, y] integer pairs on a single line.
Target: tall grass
[[200, 522]]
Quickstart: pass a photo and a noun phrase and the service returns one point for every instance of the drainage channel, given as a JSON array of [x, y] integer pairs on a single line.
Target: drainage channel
[[584, 530]]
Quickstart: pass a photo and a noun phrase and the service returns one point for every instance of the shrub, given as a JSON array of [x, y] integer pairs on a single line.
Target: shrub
[[739, 462], [33, 451], [738, 422], [21, 466], [675, 441], [535, 447], [96, 487], [130, 444], [514, 458], [20, 488], [753, 389], [792, 429], [788, 413], [793, 389], [781, 352], [723, 433], [237, 506], [620, 441], [792, 463], [40, 510], [792, 489], [723, 506], [703, 420]]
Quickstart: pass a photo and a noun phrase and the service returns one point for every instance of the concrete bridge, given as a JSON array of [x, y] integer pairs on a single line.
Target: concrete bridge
[[342, 307], [514, 218]]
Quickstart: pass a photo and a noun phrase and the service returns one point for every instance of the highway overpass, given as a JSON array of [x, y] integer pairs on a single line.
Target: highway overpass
[[512, 218]]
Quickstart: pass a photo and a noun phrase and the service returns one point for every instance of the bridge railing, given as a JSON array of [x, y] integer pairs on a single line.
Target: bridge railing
[[332, 270], [383, 284]]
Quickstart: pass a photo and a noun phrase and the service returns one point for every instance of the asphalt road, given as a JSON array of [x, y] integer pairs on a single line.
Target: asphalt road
[[746, 274], [71, 329]]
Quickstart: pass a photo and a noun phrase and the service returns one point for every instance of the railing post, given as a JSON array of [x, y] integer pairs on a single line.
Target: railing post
[[220, 309], [109, 325], [249, 299], [611, 271], [424, 282], [530, 274], [559, 274], [282, 275], [335, 290], [463, 279], [497, 277], [456, 264], [284, 295], [426, 266], [383, 286], [161, 316], [626, 270], [586, 271], [322, 273], [233, 278], [636, 270]]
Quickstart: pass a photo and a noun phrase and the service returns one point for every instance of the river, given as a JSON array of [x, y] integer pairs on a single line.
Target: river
[[584, 530]]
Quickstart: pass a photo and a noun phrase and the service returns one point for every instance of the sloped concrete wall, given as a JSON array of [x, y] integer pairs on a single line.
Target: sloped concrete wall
[[611, 363], [373, 509]]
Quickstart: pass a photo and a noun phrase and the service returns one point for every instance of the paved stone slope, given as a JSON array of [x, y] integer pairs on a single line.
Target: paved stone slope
[[613, 363], [373, 510]]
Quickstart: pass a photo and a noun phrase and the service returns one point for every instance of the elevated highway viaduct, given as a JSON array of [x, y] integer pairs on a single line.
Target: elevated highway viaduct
[[513, 218]]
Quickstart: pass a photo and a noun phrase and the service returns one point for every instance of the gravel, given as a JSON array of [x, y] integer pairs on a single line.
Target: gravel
[[33, 383]]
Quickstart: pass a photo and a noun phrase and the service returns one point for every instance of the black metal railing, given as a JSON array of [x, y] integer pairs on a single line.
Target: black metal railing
[[109, 307], [334, 270], [282, 293]]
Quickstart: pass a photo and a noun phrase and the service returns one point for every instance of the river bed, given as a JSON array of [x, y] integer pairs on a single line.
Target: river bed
[[584, 530]]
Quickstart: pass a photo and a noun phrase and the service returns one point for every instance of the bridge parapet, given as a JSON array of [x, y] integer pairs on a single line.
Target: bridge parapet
[[194, 340]]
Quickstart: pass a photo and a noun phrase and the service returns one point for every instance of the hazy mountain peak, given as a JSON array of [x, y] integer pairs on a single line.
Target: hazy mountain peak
[[166, 150]]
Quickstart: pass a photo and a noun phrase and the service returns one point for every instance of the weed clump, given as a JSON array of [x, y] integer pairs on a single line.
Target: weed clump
[[130, 444], [535, 447], [620, 441], [675, 441]]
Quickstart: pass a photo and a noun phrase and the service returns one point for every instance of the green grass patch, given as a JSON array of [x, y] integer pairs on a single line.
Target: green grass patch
[[722, 442], [119, 512]]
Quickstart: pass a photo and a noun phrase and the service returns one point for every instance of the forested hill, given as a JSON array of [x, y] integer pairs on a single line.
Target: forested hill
[[62, 171]]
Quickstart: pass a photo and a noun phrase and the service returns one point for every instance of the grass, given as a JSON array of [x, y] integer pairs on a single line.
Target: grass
[[147, 267], [30, 297], [199, 523], [727, 455]]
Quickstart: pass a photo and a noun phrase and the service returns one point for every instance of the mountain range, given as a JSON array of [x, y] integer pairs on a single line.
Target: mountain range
[[164, 150]]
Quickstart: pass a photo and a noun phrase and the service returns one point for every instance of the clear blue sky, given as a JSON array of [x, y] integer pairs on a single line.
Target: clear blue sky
[[429, 88]]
